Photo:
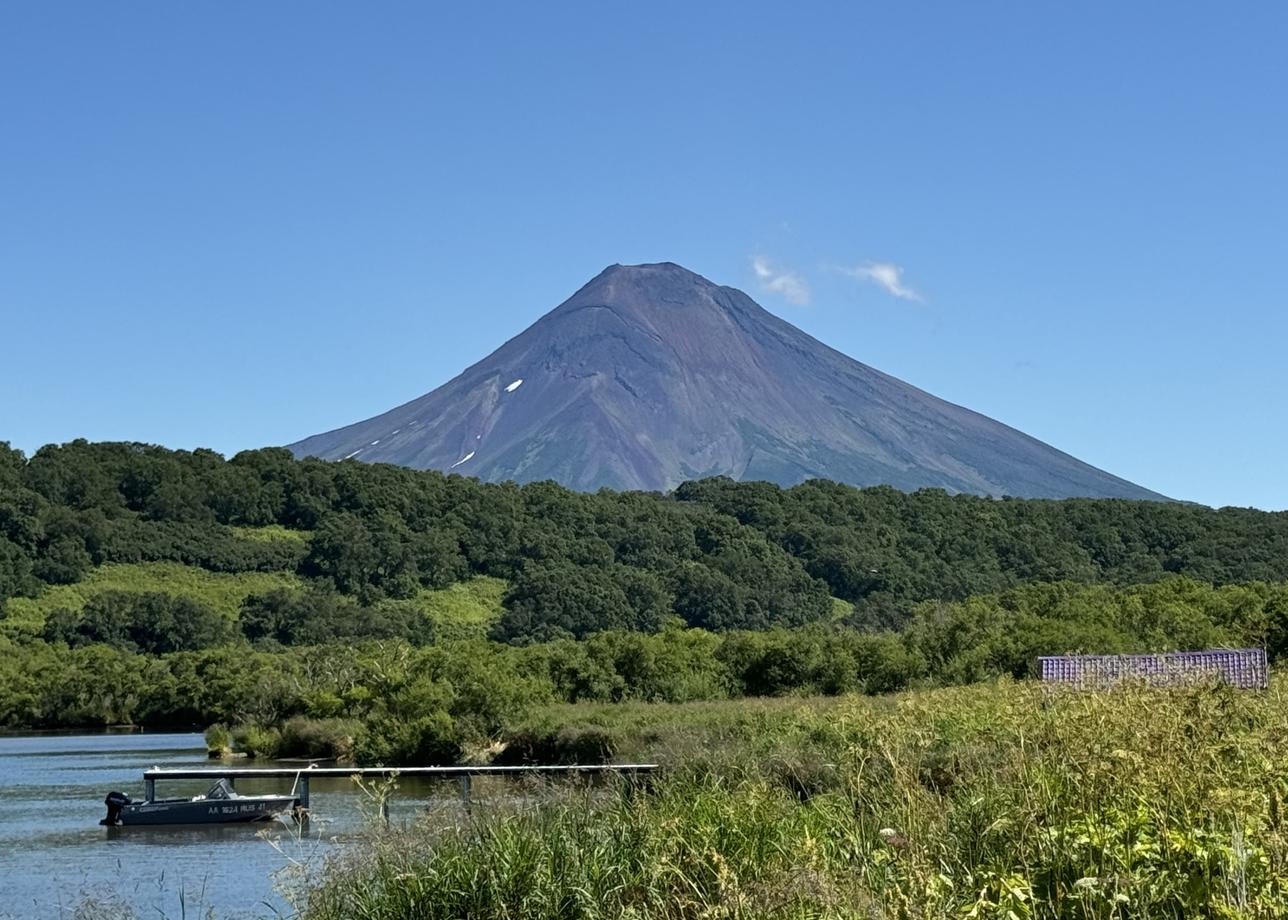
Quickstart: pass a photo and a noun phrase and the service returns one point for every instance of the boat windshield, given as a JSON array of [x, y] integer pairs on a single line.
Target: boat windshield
[[221, 790]]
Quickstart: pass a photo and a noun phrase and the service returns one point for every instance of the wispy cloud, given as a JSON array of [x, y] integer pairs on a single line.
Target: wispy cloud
[[791, 286], [887, 276]]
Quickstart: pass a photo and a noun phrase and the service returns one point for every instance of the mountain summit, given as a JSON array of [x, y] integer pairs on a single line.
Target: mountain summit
[[651, 375]]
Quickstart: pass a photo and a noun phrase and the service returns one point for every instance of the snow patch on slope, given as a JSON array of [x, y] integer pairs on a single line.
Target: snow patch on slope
[[514, 386], [462, 460]]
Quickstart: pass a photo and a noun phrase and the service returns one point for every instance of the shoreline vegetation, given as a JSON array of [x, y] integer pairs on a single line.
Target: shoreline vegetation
[[999, 800], [393, 701]]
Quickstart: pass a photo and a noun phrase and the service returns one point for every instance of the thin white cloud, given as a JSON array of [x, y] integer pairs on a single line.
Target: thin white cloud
[[789, 285], [886, 275]]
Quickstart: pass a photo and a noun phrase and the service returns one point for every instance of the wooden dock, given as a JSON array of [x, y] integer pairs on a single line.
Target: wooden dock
[[463, 774]]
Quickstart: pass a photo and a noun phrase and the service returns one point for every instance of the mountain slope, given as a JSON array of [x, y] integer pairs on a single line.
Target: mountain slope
[[651, 375]]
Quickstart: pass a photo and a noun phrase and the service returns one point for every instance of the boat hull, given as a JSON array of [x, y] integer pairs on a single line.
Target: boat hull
[[207, 811]]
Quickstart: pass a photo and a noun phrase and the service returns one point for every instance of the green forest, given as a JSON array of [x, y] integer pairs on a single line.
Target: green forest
[[381, 613]]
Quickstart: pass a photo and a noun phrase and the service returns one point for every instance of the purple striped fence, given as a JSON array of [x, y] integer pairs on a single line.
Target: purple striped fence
[[1243, 667]]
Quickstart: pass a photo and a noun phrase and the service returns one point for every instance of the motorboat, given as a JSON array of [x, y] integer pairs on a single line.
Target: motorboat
[[222, 804]]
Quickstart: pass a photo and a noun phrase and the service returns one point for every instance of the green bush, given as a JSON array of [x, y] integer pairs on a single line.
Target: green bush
[[256, 740], [219, 740], [321, 739], [428, 739]]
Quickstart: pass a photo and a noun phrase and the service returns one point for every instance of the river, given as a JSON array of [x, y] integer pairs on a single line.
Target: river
[[56, 861]]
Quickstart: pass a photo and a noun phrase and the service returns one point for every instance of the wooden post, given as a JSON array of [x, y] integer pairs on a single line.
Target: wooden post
[[465, 791], [150, 789], [304, 791]]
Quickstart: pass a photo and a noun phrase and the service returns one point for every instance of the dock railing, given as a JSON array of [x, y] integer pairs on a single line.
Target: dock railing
[[463, 774]]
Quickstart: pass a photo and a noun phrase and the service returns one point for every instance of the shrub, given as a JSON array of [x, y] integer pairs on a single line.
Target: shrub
[[219, 740], [428, 739], [323, 739], [256, 740]]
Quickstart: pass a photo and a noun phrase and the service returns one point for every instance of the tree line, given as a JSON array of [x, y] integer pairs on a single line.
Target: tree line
[[718, 555], [391, 700]]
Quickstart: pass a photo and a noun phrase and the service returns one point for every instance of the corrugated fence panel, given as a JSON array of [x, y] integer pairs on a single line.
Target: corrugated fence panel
[[1243, 667]]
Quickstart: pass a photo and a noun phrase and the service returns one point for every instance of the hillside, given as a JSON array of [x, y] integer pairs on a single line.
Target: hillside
[[717, 554]]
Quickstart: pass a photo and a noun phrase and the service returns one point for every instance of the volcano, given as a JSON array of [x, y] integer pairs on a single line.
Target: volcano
[[651, 375]]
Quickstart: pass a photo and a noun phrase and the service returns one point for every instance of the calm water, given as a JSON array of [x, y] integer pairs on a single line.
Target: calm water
[[54, 856]]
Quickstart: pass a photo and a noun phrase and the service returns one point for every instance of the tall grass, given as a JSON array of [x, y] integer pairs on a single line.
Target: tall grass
[[991, 801]]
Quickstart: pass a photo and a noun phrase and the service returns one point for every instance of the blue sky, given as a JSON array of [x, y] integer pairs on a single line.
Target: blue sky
[[237, 224]]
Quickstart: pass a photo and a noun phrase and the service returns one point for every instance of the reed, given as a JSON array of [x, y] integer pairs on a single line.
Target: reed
[[999, 800]]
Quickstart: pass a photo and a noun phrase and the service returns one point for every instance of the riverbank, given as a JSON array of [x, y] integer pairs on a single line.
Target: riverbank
[[998, 800]]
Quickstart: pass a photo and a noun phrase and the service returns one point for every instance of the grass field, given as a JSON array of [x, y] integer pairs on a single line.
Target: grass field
[[465, 610], [221, 591], [992, 801]]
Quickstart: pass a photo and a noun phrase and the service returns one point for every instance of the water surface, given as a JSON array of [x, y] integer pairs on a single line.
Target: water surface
[[55, 859]]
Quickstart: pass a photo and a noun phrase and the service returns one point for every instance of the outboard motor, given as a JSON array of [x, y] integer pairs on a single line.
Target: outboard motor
[[115, 801]]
